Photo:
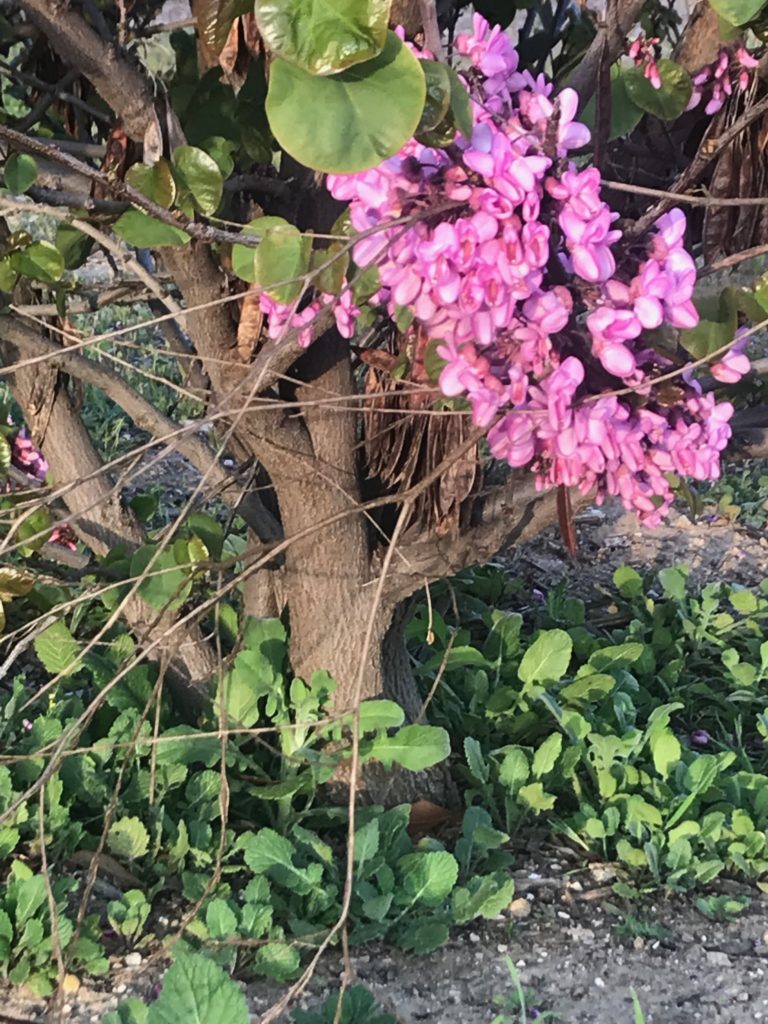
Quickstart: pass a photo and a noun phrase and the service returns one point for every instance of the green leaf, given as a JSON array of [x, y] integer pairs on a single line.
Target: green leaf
[[30, 897], [668, 102], [40, 260], [424, 938], [57, 648], [139, 229], [75, 246], [197, 991], [625, 113], [128, 838], [156, 182], [266, 849], [545, 758], [8, 275], [673, 583], [438, 98], [666, 751], [486, 896], [429, 877], [415, 747], [475, 760], [129, 1011], [276, 960], [336, 124], [220, 150], [514, 770], [548, 657], [20, 172], [200, 173], [166, 585], [281, 261], [220, 920], [366, 842], [533, 796], [738, 12], [323, 36], [628, 581], [380, 714]]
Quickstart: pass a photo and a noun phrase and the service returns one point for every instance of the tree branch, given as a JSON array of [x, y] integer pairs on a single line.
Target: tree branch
[[121, 85], [511, 513], [147, 418], [606, 46]]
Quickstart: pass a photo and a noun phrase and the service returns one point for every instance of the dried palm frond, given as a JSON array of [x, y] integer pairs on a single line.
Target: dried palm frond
[[406, 438]]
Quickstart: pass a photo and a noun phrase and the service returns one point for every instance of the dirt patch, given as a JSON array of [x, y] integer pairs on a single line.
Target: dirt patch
[[573, 953]]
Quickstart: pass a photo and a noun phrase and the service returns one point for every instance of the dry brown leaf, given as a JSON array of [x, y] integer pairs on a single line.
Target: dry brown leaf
[[249, 328]]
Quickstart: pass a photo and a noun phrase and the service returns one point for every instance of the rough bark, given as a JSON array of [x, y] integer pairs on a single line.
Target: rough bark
[[98, 516]]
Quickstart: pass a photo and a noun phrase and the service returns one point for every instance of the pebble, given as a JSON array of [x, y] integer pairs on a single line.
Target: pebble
[[132, 960], [474, 937], [599, 983], [717, 959], [119, 989], [520, 908], [502, 947], [70, 984]]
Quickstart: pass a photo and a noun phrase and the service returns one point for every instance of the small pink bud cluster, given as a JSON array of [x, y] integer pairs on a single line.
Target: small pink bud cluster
[[733, 69], [644, 51], [510, 259], [26, 457]]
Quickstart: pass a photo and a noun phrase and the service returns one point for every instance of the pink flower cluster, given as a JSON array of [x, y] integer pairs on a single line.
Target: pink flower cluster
[[733, 69], [283, 317], [26, 457], [644, 51], [511, 259]]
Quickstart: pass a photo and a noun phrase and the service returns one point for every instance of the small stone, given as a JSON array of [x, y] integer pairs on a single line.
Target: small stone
[[602, 872], [474, 937], [564, 915], [717, 959], [742, 997], [520, 908], [119, 989], [132, 960], [599, 983], [638, 942], [66, 1009], [502, 947], [70, 985]]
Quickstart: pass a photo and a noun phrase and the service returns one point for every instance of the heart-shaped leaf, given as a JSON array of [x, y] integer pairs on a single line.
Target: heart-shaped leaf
[[351, 121], [670, 100]]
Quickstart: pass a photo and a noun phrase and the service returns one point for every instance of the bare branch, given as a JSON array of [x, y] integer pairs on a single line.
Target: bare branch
[[148, 418]]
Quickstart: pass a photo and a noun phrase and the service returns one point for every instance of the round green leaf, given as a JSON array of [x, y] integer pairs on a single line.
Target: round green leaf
[[438, 99], [625, 113], [220, 150], [20, 172], [738, 12], [145, 232], [282, 258], [323, 36], [201, 175], [75, 246], [244, 256], [165, 583], [41, 260], [350, 121], [666, 103], [155, 182]]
